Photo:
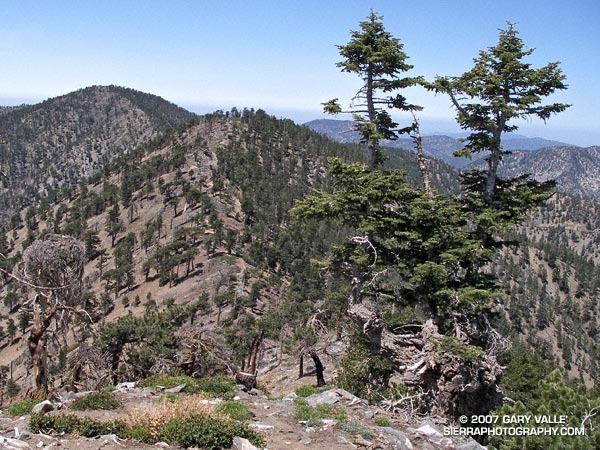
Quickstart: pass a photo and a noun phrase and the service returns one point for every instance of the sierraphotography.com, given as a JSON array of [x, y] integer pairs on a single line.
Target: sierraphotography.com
[[514, 425]]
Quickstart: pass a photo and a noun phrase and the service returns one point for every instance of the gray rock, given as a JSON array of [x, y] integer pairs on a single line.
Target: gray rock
[[81, 394], [332, 396], [12, 444], [396, 438], [125, 386], [256, 392], [470, 445], [290, 397], [242, 444], [68, 396], [175, 389], [429, 431], [261, 426], [44, 406]]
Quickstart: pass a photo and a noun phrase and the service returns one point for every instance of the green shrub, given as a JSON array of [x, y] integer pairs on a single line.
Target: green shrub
[[139, 433], [216, 386], [362, 373], [235, 410], [467, 352], [382, 421], [22, 407], [213, 386], [306, 391], [207, 432], [69, 423], [354, 429], [166, 380], [96, 400], [313, 416]]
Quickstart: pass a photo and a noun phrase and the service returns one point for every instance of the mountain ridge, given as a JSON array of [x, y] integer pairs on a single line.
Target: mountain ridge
[[438, 145], [54, 143]]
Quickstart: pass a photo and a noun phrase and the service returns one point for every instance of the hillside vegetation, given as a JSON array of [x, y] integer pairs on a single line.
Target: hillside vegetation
[[51, 145]]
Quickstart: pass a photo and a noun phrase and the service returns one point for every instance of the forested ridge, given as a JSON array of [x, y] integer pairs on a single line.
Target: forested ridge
[[51, 145], [190, 243]]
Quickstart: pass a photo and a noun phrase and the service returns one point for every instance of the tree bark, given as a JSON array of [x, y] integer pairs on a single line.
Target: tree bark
[[37, 348], [301, 367], [319, 369]]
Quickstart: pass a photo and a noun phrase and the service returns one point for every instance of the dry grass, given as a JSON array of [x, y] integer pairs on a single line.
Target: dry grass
[[156, 417]]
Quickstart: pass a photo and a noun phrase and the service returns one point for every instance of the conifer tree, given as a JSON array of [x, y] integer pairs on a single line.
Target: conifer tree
[[499, 89], [377, 58]]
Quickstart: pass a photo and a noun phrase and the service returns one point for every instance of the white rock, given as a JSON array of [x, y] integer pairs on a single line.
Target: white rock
[[44, 406], [125, 386], [242, 444], [12, 444]]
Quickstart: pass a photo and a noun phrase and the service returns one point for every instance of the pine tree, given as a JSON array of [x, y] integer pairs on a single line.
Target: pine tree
[[378, 59], [499, 89]]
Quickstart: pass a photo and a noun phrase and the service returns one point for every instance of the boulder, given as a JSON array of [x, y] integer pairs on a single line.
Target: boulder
[[242, 444], [45, 406]]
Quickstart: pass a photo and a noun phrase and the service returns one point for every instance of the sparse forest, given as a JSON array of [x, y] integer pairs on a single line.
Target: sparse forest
[[142, 242]]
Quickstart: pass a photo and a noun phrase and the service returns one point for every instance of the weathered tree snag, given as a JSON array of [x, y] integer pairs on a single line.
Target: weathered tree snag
[[421, 160], [301, 366], [456, 386], [53, 267], [36, 343], [247, 376], [75, 377], [318, 369]]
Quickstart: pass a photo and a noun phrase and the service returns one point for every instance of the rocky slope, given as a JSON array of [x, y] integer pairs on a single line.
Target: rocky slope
[[576, 170], [355, 424], [50, 145]]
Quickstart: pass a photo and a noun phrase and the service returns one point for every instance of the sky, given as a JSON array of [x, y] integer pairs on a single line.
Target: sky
[[280, 55]]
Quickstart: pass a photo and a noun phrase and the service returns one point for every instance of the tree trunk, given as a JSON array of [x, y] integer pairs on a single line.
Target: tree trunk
[[318, 369], [421, 161], [75, 377], [301, 367], [37, 348], [493, 164]]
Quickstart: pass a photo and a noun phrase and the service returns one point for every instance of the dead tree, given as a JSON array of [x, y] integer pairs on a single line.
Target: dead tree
[[313, 331], [199, 342], [421, 160], [53, 268], [247, 376], [319, 369]]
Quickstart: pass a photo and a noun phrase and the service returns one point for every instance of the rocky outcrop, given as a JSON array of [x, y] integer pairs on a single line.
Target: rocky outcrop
[[457, 377]]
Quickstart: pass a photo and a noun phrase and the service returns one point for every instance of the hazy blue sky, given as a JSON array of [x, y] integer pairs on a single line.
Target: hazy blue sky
[[281, 55]]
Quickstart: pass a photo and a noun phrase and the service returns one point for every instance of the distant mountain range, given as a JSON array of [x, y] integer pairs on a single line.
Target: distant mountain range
[[439, 146], [576, 169]]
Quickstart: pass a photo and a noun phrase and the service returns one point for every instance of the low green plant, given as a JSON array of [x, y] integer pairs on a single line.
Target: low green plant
[[169, 397], [467, 352], [382, 421], [222, 387], [71, 424], [22, 407], [354, 429], [96, 400], [235, 410], [313, 416], [306, 391], [206, 432], [139, 433]]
